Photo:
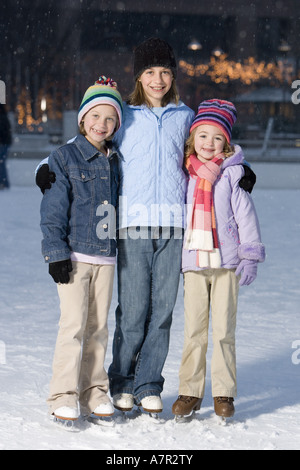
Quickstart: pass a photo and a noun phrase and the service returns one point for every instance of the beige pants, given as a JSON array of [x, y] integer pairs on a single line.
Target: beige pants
[[78, 364], [218, 289]]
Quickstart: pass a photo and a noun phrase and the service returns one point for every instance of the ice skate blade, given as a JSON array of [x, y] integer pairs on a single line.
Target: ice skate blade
[[139, 411], [151, 415], [106, 421], [66, 424], [184, 418], [122, 416], [223, 420]]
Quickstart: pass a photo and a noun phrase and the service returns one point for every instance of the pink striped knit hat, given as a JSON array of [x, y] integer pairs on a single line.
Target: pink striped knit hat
[[219, 113]]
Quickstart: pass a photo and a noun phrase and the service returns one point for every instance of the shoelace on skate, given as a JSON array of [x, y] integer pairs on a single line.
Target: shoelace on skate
[[186, 399], [224, 399]]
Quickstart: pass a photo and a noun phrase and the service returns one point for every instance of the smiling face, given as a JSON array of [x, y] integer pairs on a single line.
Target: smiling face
[[156, 82], [209, 142], [99, 123]]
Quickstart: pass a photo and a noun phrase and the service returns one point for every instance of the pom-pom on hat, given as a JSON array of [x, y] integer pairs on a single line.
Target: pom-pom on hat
[[104, 91], [153, 52], [219, 113]]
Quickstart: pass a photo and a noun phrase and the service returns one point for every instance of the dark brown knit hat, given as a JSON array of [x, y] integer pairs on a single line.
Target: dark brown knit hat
[[153, 52]]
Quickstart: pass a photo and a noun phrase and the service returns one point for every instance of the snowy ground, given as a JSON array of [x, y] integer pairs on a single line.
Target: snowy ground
[[268, 346]]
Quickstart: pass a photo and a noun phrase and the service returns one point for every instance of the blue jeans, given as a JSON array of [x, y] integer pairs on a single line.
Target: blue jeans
[[148, 278], [4, 183]]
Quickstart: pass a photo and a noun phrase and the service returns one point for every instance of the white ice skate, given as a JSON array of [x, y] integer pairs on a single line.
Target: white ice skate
[[152, 405], [123, 401], [66, 416], [103, 414]]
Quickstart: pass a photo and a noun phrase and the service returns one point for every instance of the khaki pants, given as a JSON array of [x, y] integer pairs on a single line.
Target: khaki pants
[[217, 288], [78, 364]]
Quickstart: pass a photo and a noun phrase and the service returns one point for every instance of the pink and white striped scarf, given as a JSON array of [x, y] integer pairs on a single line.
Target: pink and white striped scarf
[[201, 234]]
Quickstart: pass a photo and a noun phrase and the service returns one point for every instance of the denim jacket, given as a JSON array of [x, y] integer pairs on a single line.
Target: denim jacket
[[78, 212]]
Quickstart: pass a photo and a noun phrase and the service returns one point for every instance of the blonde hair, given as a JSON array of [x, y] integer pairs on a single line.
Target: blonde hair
[[138, 96], [190, 146]]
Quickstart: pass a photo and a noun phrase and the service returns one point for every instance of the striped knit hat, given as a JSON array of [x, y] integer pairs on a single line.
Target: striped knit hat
[[219, 113], [104, 91]]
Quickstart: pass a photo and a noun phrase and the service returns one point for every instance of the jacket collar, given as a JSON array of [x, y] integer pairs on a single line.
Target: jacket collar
[[236, 159], [88, 151], [168, 106]]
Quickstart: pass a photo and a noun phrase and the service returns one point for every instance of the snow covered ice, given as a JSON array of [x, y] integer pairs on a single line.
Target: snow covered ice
[[268, 346]]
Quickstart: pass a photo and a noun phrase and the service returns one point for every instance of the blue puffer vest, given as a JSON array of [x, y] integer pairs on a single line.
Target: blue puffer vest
[[151, 150]]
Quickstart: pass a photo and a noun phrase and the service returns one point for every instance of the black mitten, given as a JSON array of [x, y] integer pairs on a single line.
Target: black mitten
[[60, 271], [248, 181], [44, 177]]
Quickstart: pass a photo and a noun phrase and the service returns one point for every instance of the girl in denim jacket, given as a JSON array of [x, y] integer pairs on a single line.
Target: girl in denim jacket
[[78, 226]]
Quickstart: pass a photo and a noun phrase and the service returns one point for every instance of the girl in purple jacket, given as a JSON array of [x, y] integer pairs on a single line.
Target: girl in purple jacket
[[221, 250]]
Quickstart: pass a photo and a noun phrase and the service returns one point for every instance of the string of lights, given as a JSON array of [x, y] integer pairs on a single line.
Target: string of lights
[[223, 70]]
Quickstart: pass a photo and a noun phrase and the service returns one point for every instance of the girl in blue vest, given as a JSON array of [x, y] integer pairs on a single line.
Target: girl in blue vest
[[151, 220]]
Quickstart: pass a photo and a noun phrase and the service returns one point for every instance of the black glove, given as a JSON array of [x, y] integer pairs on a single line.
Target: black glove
[[60, 271], [248, 181], [44, 177]]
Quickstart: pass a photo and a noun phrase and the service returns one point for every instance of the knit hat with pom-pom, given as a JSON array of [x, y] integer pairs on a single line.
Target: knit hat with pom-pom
[[104, 91]]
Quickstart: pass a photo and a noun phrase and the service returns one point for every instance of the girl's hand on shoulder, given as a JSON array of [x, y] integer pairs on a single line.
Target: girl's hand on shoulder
[[44, 178]]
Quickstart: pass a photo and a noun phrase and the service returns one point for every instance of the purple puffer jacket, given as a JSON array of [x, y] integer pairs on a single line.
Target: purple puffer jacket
[[237, 224]]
